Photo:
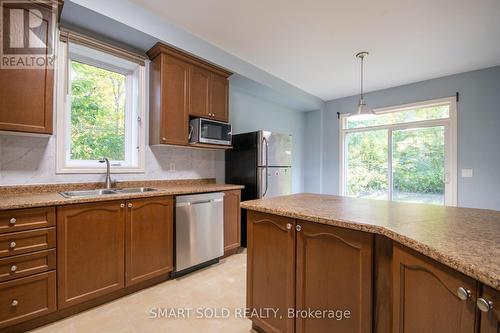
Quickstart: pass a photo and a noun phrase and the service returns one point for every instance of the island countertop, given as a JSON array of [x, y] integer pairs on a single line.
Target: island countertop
[[465, 239]]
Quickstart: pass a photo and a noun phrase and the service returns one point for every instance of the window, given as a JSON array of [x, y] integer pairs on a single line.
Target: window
[[100, 110], [406, 153]]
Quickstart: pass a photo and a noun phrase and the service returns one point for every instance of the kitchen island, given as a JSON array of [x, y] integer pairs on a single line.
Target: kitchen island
[[392, 267]]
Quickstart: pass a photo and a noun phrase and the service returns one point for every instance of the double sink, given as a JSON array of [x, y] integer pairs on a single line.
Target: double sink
[[99, 192]]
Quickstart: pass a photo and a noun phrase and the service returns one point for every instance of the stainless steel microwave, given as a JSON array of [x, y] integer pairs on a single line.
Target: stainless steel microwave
[[209, 131]]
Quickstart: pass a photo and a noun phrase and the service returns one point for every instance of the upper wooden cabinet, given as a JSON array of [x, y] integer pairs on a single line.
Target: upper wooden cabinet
[[429, 297], [183, 85], [169, 118], [26, 94]]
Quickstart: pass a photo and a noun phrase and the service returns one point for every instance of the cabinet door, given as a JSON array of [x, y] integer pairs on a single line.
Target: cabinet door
[[219, 95], [169, 115], [90, 251], [271, 270], [26, 94], [425, 296], [334, 272], [149, 238], [199, 92], [231, 221], [490, 321]]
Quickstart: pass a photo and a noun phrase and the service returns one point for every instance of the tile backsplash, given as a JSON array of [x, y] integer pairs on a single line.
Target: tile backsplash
[[32, 160]]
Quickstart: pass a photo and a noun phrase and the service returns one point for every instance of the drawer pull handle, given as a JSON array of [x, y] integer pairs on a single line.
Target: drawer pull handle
[[13, 268], [13, 221], [12, 245], [463, 293], [14, 302], [289, 226], [122, 205], [129, 205], [484, 305]]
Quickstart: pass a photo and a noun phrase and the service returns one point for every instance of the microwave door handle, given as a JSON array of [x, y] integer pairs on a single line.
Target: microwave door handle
[[190, 132]]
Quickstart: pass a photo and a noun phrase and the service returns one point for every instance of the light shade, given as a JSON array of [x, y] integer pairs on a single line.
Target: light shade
[[363, 113]]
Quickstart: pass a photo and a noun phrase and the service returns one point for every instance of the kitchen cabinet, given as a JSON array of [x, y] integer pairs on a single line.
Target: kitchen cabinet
[[183, 85], [334, 271], [303, 265], [26, 298], [90, 251], [169, 113], [232, 221], [271, 270], [26, 94], [149, 238], [199, 92], [489, 304], [219, 97], [430, 297]]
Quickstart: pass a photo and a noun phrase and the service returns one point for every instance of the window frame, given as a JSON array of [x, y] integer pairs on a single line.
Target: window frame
[[135, 106], [450, 128]]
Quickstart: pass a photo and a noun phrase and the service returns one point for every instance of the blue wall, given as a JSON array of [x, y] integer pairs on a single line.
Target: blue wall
[[251, 113], [478, 131]]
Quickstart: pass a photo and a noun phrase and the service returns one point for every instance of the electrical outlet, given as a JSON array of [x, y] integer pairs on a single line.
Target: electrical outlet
[[467, 173], [172, 167]]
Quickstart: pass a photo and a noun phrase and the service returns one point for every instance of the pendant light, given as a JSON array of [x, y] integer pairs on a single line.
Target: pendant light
[[363, 112]]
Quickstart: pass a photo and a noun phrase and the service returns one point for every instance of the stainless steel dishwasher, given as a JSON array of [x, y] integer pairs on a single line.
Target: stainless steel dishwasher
[[199, 231]]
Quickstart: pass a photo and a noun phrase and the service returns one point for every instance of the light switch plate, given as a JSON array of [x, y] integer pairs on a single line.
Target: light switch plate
[[467, 173]]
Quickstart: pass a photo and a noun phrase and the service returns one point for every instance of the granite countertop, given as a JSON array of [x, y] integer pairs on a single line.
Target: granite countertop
[[15, 197], [465, 239]]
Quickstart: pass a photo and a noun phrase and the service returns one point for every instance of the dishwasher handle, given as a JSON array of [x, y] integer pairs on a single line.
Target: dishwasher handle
[[189, 203]]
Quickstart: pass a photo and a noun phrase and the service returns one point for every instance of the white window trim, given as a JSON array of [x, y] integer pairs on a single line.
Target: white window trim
[[450, 125], [137, 133]]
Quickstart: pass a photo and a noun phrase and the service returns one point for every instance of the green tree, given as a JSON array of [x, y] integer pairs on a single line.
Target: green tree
[[97, 113]]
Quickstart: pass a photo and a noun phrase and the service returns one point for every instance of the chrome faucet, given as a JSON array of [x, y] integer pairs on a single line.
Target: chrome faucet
[[108, 172]]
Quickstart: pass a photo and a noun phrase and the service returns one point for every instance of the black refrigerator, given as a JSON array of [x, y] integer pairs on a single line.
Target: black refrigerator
[[262, 162]]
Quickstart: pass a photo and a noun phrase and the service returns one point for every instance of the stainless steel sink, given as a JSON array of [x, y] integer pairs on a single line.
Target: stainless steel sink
[[136, 190], [87, 193], [99, 192]]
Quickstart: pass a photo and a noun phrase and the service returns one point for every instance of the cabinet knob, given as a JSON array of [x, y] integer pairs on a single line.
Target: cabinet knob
[[13, 221], [122, 205], [163, 139], [289, 226], [298, 227], [12, 245], [13, 268], [129, 205], [14, 302], [484, 305], [463, 293]]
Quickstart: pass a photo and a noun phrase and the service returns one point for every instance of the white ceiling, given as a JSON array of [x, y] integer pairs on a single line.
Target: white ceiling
[[311, 43]]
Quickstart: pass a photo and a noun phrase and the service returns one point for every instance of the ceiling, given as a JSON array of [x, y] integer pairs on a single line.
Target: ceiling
[[311, 43]]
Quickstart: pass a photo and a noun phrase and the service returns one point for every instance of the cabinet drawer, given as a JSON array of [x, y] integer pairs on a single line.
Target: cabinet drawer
[[27, 241], [26, 219], [26, 298], [27, 264]]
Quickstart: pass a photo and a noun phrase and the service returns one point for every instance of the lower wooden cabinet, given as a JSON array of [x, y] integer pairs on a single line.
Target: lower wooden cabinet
[[149, 239], [26, 298], [232, 223], [90, 251], [103, 247], [333, 272], [489, 304], [271, 270], [427, 296], [298, 267]]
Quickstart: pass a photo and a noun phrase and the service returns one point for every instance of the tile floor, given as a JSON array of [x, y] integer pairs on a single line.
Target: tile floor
[[216, 287]]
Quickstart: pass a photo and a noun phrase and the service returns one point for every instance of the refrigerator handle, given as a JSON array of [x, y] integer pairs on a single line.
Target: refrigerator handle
[[267, 160]]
